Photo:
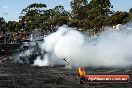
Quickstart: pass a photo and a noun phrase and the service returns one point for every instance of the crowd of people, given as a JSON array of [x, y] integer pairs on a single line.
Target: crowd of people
[[13, 37]]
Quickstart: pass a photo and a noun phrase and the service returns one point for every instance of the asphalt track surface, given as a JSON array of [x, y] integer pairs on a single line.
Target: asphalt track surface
[[28, 76]]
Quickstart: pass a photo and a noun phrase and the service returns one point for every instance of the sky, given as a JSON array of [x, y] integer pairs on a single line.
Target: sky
[[11, 9]]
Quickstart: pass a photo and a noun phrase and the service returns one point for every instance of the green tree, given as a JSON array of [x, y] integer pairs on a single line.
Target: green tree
[[94, 12], [130, 10], [99, 22], [33, 9], [32, 15], [13, 26], [76, 5], [117, 18], [130, 14], [2, 21], [101, 7], [60, 15], [53, 18]]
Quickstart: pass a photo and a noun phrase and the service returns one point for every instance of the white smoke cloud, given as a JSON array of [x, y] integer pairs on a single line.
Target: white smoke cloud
[[111, 48]]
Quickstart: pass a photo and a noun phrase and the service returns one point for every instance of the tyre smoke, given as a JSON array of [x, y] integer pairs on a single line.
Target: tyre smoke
[[111, 48]]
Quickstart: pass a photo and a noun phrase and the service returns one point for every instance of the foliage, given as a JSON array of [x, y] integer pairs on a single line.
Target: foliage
[[85, 15], [76, 5], [118, 18], [2, 22], [13, 26], [90, 15], [130, 10], [35, 16]]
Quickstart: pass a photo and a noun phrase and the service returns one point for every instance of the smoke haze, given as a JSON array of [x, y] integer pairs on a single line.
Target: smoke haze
[[111, 48]]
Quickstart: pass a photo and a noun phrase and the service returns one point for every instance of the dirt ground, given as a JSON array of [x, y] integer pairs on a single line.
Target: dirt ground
[[28, 76]]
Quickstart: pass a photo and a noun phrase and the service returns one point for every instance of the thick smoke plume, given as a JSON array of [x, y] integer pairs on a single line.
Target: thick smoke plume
[[110, 48]]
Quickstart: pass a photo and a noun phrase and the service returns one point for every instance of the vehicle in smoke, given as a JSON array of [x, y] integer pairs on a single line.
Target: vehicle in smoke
[[29, 51]]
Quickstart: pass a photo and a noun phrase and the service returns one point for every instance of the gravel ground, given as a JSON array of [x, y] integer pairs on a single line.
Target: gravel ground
[[28, 76]]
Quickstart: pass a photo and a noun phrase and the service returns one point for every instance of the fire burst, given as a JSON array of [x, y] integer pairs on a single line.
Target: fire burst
[[81, 74], [81, 71]]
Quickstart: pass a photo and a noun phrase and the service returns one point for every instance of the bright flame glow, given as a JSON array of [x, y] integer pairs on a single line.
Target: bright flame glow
[[81, 71]]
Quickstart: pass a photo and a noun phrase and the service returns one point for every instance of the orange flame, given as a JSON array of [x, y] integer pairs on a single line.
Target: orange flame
[[81, 71]]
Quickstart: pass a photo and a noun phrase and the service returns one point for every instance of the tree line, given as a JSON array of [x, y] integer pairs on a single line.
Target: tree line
[[84, 15]]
